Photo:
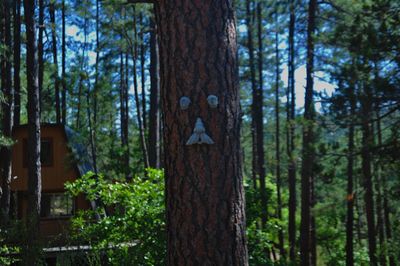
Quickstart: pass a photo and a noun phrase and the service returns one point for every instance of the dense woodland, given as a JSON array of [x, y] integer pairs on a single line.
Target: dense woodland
[[303, 171]]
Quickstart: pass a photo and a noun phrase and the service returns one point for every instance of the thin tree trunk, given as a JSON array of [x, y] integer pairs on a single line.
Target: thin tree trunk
[[358, 210], [291, 106], [126, 102], [277, 128], [91, 134], [7, 114], [350, 190], [63, 55], [250, 47], [308, 156], [124, 114], [313, 233], [17, 61], [138, 110], [121, 100], [385, 226], [96, 66], [386, 210], [142, 70], [93, 128], [154, 114], [367, 142], [259, 125], [204, 192], [379, 212], [52, 12], [41, 50], [34, 166], [257, 115], [82, 75]]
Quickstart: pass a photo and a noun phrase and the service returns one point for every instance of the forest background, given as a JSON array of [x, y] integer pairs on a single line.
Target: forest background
[[319, 87]]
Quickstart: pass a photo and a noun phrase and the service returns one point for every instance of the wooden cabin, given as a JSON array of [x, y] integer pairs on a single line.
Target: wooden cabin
[[63, 159]]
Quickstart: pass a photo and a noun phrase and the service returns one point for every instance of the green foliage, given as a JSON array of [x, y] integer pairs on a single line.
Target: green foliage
[[133, 232], [8, 252], [5, 142], [262, 239]]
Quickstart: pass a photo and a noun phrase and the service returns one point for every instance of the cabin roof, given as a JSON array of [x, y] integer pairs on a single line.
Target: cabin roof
[[75, 142]]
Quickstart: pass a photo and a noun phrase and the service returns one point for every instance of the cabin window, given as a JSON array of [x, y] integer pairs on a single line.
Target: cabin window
[[46, 152], [55, 205]]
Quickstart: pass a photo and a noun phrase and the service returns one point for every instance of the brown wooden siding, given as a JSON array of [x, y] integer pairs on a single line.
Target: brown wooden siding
[[54, 176]]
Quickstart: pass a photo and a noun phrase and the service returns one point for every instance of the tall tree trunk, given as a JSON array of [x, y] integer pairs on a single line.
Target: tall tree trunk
[[93, 127], [291, 111], [142, 69], [63, 54], [126, 93], [367, 143], [350, 189], [277, 127], [52, 12], [82, 74], [124, 113], [34, 166], [91, 130], [308, 155], [386, 218], [250, 47], [138, 108], [3, 82], [17, 61], [383, 211], [154, 114], [122, 101], [259, 124], [379, 211], [378, 181], [358, 210], [204, 191], [7, 113], [96, 66], [41, 50], [386, 210]]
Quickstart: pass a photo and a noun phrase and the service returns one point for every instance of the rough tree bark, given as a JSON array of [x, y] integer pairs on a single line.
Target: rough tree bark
[[308, 156], [204, 192], [7, 112], [34, 167], [154, 113]]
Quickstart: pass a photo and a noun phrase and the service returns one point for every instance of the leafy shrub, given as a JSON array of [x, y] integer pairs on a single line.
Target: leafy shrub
[[133, 232]]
